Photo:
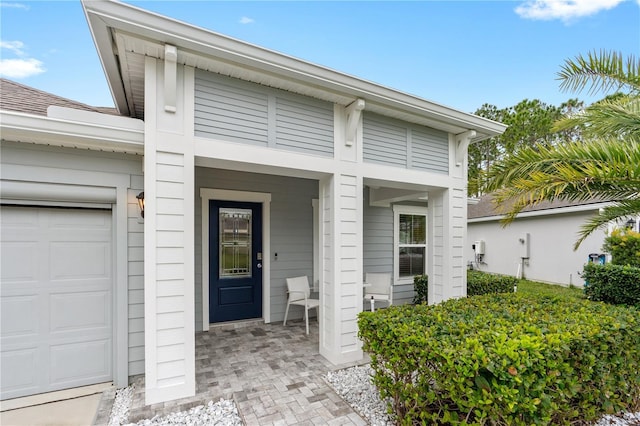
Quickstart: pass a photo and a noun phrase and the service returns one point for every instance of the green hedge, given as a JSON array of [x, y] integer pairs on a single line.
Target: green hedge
[[504, 359], [479, 283], [619, 285]]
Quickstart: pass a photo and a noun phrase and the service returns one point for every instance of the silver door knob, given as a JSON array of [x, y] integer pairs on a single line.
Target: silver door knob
[[259, 265]]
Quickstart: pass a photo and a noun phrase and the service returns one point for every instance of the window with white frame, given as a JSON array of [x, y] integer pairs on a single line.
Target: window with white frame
[[410, 242]]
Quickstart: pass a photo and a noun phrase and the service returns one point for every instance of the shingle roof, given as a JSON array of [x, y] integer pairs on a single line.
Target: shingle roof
[[20, 98], [486, 207]]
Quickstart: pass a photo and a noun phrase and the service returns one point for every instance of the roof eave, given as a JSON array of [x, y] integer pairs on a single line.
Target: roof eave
[[36, 129], [544, 212], [105, 15]]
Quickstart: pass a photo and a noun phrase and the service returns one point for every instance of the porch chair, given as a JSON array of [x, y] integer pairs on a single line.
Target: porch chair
[[377, 288], [299, 292]]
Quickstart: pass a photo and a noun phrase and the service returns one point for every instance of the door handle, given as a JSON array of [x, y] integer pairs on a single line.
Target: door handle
[[259, 265]]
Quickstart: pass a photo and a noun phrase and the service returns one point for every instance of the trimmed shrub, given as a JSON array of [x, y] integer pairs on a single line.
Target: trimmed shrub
[[616, 284], [504, 359], [421, 287], [624, 246], [479, 283]]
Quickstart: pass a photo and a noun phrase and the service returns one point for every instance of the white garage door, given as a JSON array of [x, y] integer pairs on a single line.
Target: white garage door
[[56, 299]]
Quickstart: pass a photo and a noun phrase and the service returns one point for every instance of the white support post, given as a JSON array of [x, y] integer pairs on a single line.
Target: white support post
[[169, 236], [341, 289]]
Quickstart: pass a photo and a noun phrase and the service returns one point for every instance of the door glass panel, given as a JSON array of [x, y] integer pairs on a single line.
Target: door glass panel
[[235, 243]]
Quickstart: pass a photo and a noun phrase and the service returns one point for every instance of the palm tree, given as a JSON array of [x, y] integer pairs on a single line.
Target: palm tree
[[604, 165]]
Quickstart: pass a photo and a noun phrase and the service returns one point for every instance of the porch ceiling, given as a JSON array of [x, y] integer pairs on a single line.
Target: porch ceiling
[[125, 34]]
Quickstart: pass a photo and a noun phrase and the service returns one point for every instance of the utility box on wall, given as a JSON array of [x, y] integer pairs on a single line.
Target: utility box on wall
[[478, 247], [524, 246]]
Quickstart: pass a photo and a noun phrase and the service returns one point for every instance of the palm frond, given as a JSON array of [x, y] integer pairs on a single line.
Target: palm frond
[[616, 118], [604, 169], [608, 214], [601, 71]]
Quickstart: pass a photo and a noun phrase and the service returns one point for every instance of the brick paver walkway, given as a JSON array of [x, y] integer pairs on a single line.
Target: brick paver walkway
[[274, 374]]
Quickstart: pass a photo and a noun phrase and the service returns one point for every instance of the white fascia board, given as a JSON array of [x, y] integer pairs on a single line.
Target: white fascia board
[[106, 15], [545, 212], [20, 127], [96, 118]]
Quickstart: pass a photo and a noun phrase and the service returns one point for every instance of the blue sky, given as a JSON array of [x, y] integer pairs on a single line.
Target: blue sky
[[457, 53]]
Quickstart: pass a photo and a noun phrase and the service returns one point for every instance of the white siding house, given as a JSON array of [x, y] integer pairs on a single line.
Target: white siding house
[[538, 245], [255, 167]]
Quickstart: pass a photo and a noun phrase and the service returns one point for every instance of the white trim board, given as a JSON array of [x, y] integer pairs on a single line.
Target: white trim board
[[208, 194], [545, 212]]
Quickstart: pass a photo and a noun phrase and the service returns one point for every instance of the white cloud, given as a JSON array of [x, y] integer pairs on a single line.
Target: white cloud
[[14, 5], [565, 10], [14, 46], [21, 68], [246, 20]]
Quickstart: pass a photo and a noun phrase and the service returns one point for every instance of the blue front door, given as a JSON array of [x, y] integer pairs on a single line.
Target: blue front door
[[235, 261]]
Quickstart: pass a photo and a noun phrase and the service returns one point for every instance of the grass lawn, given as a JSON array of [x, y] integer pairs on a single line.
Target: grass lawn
[[536, 288]]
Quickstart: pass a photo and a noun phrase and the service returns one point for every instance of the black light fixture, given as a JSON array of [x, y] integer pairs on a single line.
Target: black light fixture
[[631, 224], [140, 198]]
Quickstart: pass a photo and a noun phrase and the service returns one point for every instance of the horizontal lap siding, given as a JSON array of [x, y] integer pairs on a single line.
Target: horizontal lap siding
[[304, 124], [383, 141], [291, 229], [397, 143], [350, 226], [170, 271], [238, 111], [430, 150], [135, 247], [230, 110], [377, 238]]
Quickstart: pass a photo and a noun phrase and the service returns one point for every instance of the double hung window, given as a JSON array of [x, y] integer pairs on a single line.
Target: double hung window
[[410, 242]]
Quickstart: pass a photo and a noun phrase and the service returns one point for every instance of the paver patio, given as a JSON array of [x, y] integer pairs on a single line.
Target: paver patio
[[273, 373]]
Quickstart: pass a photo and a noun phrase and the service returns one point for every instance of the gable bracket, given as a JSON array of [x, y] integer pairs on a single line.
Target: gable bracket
[[354, 111], [170, 77], [462, 144]]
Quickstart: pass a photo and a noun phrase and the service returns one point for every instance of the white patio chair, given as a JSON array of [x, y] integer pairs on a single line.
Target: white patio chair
[[377, 288], [299, 292]]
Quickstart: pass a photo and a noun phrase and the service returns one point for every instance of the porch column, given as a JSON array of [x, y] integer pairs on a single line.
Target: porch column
[[446, 267], [341, 267], [169, 233]]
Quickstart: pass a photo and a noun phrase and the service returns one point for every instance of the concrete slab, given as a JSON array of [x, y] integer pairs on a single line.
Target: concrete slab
[[70, 412]]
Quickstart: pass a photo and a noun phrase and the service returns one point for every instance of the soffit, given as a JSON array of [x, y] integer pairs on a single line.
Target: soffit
[[124, 34], [132, 51]]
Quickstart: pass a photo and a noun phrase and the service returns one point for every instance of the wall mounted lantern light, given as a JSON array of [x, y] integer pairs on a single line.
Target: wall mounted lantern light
[[631, 224], [140, 198]]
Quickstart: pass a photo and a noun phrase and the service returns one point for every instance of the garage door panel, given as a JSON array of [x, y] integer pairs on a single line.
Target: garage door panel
[[19, 373], [56, 299], [20, 218], [63, 219], [79, 260], [19, 261], [20, 315], [79, 311], [76, 364]]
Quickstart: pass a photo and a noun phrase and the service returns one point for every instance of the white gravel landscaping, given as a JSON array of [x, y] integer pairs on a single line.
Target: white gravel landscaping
[[221, 413]]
